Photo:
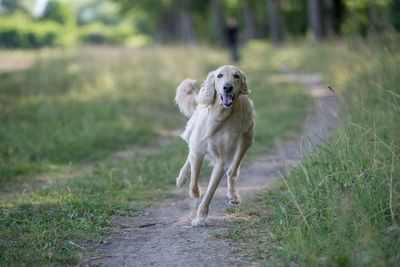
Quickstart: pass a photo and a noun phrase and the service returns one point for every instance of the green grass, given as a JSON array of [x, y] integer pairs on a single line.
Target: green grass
[[65, 121], [82, 106], [341, 206]]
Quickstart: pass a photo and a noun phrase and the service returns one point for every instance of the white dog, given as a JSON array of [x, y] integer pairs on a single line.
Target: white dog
[[220, 127]]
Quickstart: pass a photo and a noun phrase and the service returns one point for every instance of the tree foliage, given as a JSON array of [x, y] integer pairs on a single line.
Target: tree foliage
[[59, 12], [11, 6], [338, 16], [205, 20]]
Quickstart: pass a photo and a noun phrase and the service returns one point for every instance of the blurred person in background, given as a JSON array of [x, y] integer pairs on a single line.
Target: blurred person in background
[[231, 34]]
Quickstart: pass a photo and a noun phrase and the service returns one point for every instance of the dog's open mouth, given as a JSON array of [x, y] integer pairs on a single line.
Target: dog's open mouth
[[227, 99]]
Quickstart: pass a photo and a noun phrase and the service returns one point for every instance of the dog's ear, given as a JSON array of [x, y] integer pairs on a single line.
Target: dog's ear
[[244, 90], [206, 94]]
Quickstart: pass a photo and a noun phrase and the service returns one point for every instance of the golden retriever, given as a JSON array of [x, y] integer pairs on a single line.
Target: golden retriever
[[220, 127]]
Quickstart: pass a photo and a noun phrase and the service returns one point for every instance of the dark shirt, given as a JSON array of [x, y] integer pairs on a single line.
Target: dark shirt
[[232, 35]]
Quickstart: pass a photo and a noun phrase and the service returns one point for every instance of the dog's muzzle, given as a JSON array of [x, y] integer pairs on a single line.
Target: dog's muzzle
[[228, 96]]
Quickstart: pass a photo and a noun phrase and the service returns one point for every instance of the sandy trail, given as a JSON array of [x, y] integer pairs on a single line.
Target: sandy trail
[[162, 235], [16, 62]]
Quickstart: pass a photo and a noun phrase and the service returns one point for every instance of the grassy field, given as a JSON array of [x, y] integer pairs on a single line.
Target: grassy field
[[341, 206], [80, 138]]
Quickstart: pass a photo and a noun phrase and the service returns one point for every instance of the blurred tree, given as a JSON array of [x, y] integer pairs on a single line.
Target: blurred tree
[[191, 20], [11, 6], [394, 14], [217, 21], [315, 19], [374, 23], [59, 12], [185, 24], [329, 6], [294, 16], [275, 26], [379, 17], [165, 19], [90, 11], [356, 21], [333, 16], [250, 21]]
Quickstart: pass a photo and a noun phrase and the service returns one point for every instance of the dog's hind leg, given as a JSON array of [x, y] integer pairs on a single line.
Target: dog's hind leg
[[195, 160], [183, 174], [202, 211]]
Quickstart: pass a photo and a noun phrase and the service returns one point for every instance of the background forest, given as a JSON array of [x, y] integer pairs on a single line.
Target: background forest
[[33, 24]]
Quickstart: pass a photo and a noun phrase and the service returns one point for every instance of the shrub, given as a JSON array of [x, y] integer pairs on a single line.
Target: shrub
[[18, 31], [103, 34]]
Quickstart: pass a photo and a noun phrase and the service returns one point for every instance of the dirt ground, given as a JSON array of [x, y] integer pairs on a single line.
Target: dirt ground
[[15, 62], [163, 236]]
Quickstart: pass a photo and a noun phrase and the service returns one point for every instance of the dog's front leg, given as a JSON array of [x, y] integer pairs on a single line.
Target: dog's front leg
[[202, 211], [196, 160], [183, 174], [232, 174]]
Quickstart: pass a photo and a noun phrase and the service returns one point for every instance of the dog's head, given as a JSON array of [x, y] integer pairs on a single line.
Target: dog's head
[[223, 85]]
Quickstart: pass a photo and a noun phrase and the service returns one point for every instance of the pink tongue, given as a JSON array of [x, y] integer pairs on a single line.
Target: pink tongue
[[227, 99]]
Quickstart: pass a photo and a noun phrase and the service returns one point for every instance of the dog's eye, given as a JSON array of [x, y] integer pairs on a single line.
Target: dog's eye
[[236, 76], [219, 75]]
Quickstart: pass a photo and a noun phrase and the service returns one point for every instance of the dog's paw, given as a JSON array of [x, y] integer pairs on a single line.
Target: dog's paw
[[180, 182], [233, 199], [195, 192], [232, 173], [199, 222]]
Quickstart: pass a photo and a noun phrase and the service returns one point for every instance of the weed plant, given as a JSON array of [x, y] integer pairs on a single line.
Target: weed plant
[[341, 205]]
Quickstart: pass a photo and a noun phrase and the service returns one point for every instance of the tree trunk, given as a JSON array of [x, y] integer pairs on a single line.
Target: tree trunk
[[375, 19], [329, 17], [185, 27], [315, 19], [217, 20], [250, 27], [275, 27], [333, 16]]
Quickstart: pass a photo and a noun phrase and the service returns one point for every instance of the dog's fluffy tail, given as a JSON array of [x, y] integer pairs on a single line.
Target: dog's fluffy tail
[[186, 97]]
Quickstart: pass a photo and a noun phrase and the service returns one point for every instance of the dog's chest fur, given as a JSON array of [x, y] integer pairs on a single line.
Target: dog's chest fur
[[218, 139]]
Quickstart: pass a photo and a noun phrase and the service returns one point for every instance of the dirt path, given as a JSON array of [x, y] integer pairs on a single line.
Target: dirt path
[[11, 63], [162, 235]]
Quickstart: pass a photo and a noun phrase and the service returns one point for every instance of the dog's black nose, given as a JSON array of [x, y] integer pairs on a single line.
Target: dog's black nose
[[228, 88]]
